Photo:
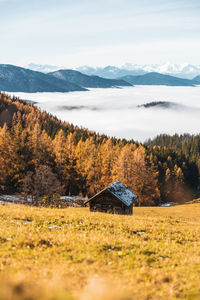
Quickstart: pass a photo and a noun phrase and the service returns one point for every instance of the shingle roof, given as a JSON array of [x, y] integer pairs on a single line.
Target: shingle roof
[[121, 192]]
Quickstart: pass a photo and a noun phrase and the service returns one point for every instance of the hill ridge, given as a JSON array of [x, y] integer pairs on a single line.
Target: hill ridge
[[17, 79], [87, 81], [154, 78]]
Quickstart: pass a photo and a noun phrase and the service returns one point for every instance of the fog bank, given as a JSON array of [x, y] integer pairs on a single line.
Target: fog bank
[[115, 111]]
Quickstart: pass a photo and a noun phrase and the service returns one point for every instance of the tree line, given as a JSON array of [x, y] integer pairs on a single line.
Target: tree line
[[35, 147]]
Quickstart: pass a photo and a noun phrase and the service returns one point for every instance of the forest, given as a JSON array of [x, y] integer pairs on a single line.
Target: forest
[[77, 161]]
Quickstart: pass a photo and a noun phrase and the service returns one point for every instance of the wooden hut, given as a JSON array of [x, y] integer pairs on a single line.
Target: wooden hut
[[115, 199]]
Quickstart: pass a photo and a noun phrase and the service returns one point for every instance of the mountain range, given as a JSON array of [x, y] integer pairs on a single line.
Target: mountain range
[[187, 71], [88, 81], [17, 79], [154, 78]]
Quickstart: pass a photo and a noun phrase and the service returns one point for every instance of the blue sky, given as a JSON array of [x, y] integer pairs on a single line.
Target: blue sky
[[72, 33]]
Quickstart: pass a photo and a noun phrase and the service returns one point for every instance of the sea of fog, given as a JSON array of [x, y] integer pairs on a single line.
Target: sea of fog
[[115, 111]]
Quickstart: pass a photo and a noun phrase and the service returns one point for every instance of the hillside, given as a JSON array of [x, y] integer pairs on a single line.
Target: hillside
[[197, 78], [16, 79], [73, 254], [158, 79], [85, 162], [87, 81], [110, 72]]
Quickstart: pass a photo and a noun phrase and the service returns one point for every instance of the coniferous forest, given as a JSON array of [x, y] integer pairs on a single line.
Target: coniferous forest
[[34, 144]]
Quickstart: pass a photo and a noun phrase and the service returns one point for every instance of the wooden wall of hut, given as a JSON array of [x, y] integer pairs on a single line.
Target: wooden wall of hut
[[106, 202]]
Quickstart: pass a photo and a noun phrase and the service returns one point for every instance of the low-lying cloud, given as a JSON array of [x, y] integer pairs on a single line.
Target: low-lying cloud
[[115, 112], [76, 107]]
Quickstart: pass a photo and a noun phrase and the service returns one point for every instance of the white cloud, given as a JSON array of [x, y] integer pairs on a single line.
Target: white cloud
[[117, 113]]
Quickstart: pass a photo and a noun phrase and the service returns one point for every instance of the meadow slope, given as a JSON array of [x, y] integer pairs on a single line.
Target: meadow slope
[[75, 254]]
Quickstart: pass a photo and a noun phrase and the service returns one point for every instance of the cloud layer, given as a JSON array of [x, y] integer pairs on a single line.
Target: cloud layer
[[115, 112]]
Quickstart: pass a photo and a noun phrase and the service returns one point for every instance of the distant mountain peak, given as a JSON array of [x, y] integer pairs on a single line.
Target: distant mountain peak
[[42, 68], [185, 70]]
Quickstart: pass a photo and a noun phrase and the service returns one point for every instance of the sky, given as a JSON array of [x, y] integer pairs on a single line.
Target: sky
[[73, 33]]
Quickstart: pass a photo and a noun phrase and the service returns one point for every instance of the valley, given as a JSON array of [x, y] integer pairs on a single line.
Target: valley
[[114, 111]]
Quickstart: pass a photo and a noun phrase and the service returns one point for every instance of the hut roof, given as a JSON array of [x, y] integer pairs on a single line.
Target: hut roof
[[121, 192]]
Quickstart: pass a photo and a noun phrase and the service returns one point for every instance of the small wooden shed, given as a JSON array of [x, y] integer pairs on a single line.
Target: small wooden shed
[[115, 199]]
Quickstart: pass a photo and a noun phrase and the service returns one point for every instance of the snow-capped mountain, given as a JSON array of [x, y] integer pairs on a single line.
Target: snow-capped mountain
[[183, 71], [110, 72], [187, 71], [42, 68]]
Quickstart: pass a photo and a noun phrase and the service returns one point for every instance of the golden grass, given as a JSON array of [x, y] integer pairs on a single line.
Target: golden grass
[[57, 254], [194, 201]]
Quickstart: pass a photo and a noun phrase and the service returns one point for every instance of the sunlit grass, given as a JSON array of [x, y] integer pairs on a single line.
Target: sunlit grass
[[75, 254]]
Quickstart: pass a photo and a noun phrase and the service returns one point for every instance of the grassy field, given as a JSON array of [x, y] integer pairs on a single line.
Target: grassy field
[[72, 254]]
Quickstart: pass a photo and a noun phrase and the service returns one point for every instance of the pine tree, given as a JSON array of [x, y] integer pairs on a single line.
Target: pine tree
[[9, 168], [107, 157]]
